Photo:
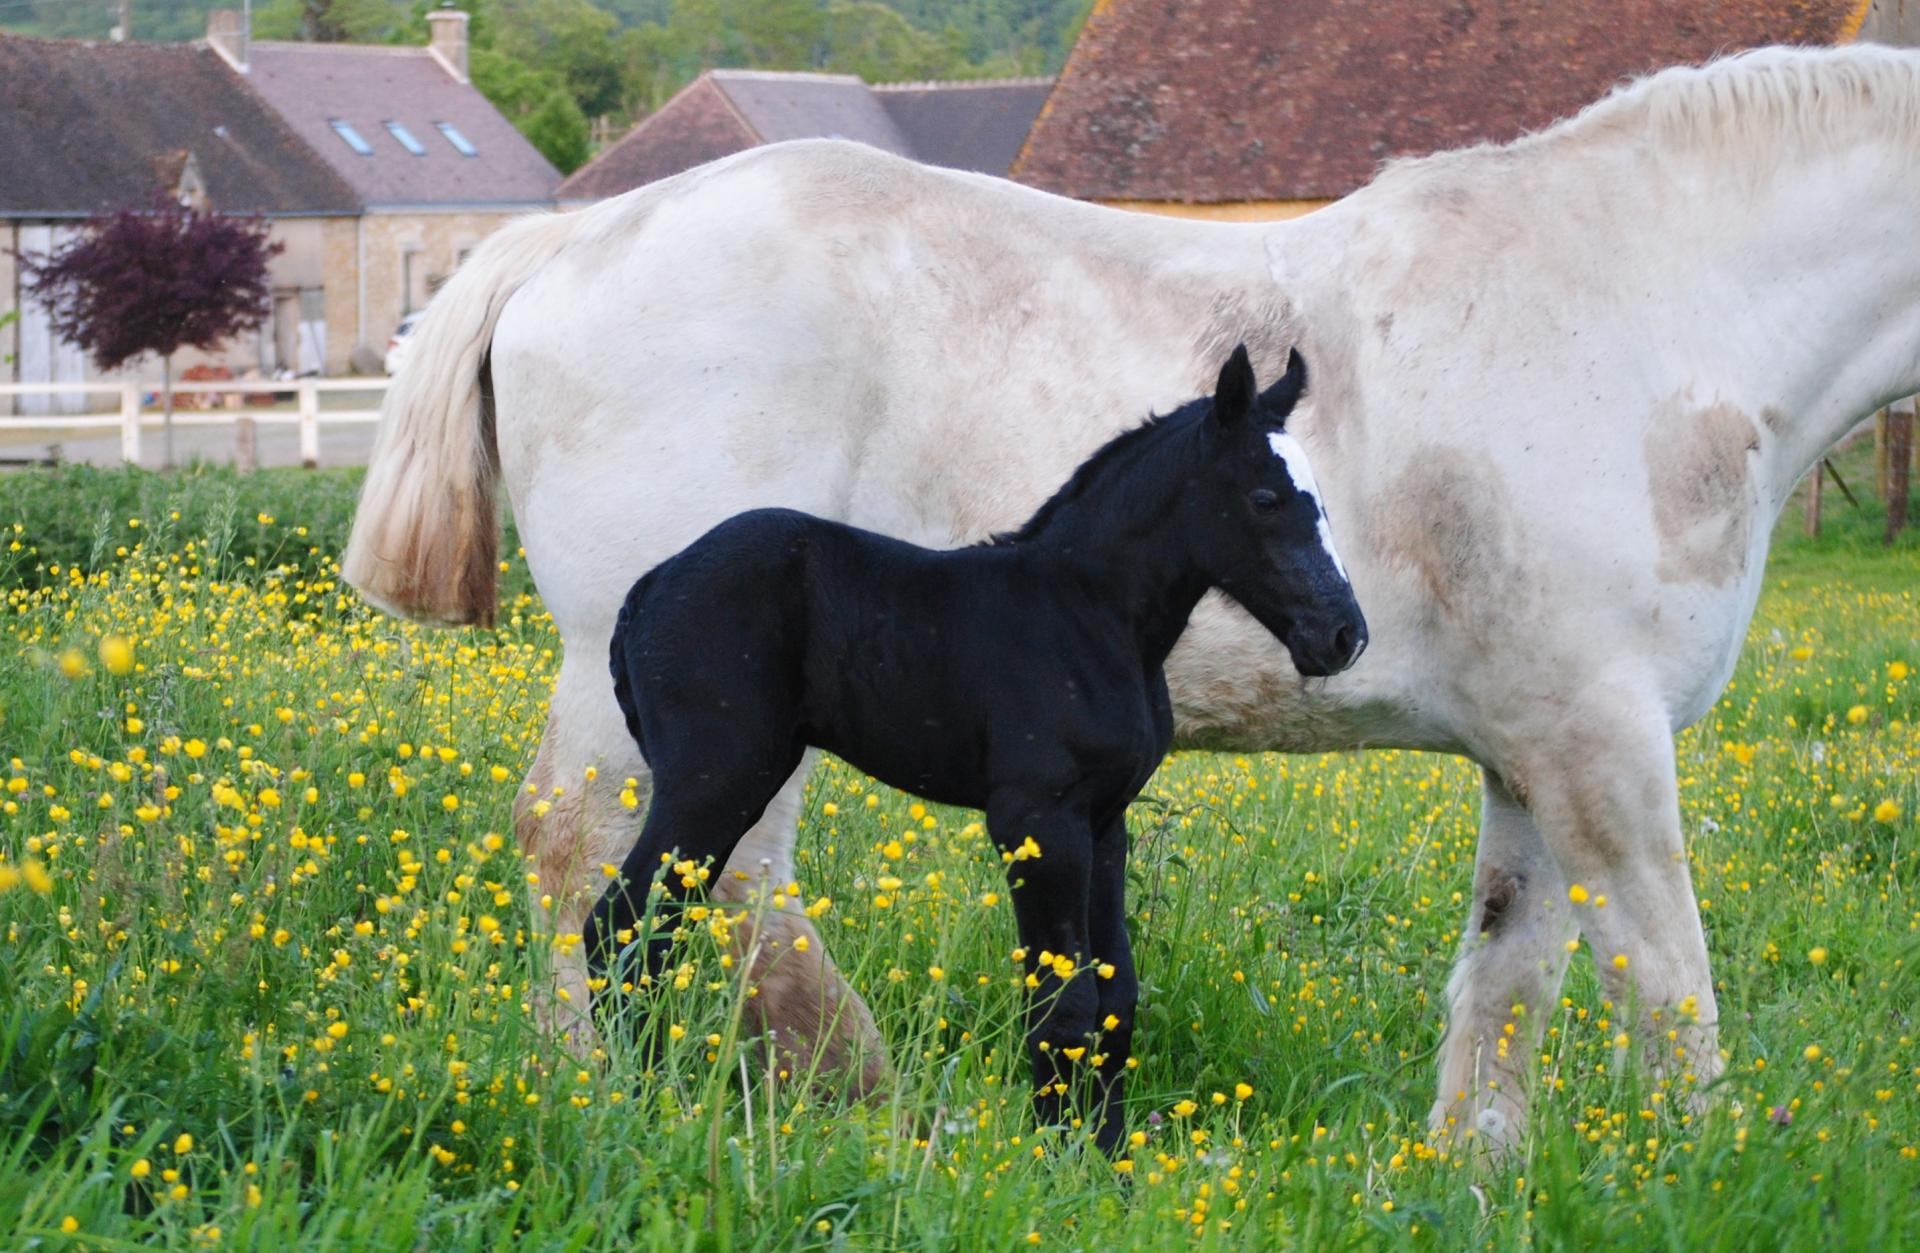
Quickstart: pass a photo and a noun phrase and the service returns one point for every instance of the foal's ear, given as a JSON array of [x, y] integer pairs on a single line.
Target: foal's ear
[[1278, 400], [1233, 394]]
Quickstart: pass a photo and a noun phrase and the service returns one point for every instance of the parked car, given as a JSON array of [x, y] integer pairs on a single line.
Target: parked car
[[398, 342]]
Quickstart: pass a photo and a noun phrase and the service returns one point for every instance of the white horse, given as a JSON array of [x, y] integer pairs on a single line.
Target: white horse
[[1562, 387]]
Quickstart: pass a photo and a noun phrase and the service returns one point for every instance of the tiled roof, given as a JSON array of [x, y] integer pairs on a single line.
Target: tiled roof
[[92, 126], [809, 106], [315, 85], [968, 126], [1215, 101], [696, 126]]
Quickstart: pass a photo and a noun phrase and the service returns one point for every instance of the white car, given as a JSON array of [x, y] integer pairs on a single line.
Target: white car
[[398, 342]]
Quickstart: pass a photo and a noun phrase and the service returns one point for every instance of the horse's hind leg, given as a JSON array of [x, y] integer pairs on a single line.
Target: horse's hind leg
[[1506, 978], [570, 826], [819, 1027]]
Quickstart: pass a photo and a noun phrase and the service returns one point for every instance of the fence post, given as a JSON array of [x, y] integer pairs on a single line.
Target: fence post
[[1899, 461], [1880, 454], [130, 423], [309, 426], [246, 453], [1814, 484]]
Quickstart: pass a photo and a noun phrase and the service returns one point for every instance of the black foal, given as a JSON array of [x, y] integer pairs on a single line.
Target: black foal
[[1022, 677]]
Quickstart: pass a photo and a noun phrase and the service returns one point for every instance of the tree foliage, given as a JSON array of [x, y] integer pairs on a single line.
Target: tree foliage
[[325, 21], [559, 130], [155, 279]]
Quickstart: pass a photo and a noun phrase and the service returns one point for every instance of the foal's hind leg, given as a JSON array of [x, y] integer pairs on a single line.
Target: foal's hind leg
[[711, 783], [1506, 978]]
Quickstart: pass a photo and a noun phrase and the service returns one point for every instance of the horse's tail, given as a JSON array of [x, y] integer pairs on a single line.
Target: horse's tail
[[427, 535]]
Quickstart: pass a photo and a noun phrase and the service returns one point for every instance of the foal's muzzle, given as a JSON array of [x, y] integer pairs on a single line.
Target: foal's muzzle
[[1321, 653]]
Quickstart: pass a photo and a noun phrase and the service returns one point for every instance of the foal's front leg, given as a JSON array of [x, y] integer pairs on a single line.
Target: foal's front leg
[[1118, 992], [1050, 894]]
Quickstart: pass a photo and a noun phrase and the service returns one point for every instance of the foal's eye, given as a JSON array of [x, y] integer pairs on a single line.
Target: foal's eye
[[1263, 501]]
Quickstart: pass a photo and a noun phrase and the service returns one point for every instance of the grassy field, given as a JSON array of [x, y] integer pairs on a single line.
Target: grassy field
[[266, 952]]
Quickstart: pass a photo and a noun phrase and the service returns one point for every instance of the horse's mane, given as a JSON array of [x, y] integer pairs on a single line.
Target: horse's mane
[[1109, 455], [1737, 108]]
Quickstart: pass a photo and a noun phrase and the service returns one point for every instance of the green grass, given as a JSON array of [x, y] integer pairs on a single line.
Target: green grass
[[304, 958]]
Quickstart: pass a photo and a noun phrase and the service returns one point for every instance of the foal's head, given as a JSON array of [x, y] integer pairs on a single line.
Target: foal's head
[[1262, 528]]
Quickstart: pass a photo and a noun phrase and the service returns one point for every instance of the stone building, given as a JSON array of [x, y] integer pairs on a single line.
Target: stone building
[[432, 165], [377, 169]]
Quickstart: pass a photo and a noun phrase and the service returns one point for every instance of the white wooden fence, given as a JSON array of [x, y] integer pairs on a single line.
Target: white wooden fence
[[136, 415]]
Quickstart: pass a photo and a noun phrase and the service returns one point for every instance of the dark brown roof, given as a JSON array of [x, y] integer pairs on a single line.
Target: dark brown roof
[[969, 126], [1233, 100], [314, 85], [92, 126]]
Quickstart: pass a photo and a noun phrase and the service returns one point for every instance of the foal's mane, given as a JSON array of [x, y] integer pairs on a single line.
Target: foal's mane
[[1109, 456], [1738, 109]]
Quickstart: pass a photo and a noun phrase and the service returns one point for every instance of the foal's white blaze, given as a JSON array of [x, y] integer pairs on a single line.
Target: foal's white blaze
[[1288, 449]]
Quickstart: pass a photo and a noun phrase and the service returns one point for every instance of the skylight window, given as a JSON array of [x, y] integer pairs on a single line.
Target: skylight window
[[406, 139], [351, 137], [461, 143]]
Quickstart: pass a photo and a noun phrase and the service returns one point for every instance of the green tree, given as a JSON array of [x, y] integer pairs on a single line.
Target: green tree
[[869, 39], [514, 87], [571, 38], [559, 130], [324, 21], [536, 102], [653, 65]]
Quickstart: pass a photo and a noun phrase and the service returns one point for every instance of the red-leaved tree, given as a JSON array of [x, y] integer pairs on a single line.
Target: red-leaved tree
[[156, 280]]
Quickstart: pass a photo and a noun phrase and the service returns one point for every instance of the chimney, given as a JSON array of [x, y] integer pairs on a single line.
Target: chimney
[[447, 38], [227, 35]]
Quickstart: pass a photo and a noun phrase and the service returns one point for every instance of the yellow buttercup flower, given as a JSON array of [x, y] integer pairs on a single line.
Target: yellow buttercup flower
[[116, 654]]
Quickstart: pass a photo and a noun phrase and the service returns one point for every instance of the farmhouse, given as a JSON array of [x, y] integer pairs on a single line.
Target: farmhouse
[[377, 169], [1241, 109], [961, 125], [433, 166]]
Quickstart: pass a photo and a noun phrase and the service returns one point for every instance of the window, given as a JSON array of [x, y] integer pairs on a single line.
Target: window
[[406, 139], [461, 143], [351, 137]]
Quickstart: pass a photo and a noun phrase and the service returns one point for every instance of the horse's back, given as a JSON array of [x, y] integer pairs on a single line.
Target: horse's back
[[823, 326]]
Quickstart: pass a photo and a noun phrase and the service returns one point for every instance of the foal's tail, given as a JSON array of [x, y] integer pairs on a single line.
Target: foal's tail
[[427, 534]]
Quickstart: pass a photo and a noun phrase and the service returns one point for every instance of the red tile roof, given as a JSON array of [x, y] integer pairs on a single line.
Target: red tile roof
[[1211, 101], [963, 125]]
